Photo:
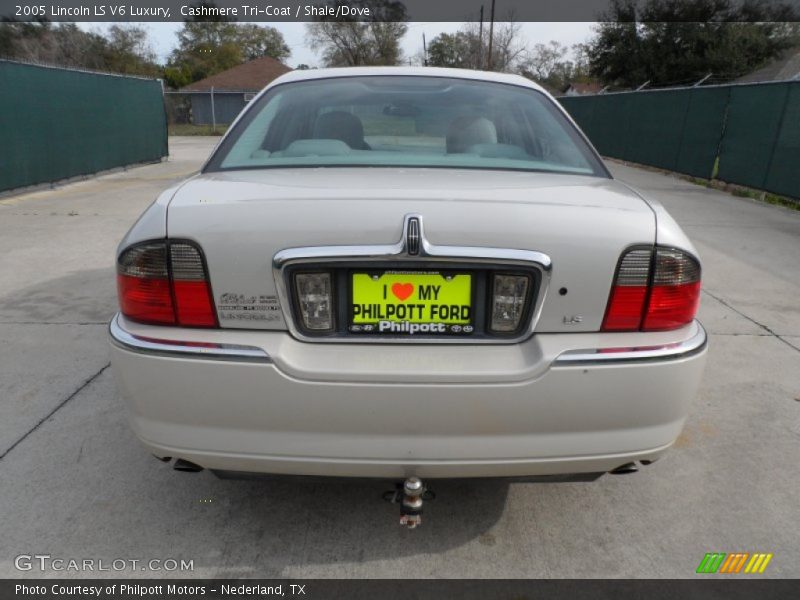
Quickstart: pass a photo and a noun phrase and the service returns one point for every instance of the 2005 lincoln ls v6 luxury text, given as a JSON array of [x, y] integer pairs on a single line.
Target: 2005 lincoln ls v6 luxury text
[[406, 273]]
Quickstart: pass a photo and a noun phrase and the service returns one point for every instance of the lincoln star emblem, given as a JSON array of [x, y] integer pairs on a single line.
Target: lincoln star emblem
[[413, 236]]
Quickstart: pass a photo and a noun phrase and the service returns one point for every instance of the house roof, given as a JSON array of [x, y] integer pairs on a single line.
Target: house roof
[[251, 76], [787, 66]]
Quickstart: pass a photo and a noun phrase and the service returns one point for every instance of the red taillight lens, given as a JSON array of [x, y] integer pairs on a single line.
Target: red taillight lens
[[625, 306], [666, 300], [150, 291], [193, 303]]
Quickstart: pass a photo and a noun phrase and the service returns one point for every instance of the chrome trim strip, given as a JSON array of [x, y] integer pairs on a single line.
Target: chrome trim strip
[[170, 348], [694, 345], [332, 255]]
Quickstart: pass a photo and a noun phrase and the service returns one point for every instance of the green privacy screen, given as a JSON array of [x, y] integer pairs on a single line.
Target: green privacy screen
[[58, 123], [753, 130], [761, 147]]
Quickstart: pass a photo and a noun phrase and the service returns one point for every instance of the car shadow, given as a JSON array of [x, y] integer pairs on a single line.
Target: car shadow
[[289, 522], [88, 296]]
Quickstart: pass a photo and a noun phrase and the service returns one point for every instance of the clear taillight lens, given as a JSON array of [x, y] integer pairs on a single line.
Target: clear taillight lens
[[314, 297], [151, 291], [666, 300], [509, 295]]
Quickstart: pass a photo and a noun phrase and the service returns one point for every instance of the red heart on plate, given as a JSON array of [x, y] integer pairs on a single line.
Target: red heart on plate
[[403, 290]]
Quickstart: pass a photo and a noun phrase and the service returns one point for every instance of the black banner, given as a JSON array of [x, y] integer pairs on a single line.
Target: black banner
[[399, 589], [374, 10]]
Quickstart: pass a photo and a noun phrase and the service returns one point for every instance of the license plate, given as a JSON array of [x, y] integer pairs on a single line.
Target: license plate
[[411, 303]]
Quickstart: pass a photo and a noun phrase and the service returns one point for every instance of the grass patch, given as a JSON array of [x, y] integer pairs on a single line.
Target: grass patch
[[745, 192], [189, 129], [731, 188], [766, 197]]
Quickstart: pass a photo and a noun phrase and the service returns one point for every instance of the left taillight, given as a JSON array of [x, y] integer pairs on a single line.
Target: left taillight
[[165, 283]]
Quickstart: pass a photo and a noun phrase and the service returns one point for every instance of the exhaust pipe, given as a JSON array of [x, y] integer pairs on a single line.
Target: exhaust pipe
[[186, 466], [625, 469]]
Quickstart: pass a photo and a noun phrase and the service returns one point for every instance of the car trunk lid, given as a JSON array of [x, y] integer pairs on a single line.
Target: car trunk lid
[[242, 219]]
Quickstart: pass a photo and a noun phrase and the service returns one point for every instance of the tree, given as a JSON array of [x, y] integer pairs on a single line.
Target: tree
[[64, 44], [457, 50], [128, 51], [545, 60], [208, 45], [549, 65], [673, 42], [467, 49], [256, 41], [125, 50], [349, 42]]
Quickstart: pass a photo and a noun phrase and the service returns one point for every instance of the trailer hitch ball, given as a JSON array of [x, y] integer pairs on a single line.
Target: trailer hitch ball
[[411, 506]]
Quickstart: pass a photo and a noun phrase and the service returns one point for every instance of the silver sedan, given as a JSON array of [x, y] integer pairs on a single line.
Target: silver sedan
[[396, 272]]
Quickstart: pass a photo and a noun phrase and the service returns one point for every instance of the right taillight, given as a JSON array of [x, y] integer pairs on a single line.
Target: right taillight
[[654, 289], [675, 294], [165, 283]]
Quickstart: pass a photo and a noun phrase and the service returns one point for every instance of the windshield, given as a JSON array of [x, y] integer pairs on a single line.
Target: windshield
[[405, 121]]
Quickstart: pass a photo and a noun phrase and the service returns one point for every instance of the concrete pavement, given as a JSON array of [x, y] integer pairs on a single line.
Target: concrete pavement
[[76, 484]]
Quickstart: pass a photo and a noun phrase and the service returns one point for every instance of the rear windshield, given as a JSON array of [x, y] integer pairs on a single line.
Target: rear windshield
[[402, 121]]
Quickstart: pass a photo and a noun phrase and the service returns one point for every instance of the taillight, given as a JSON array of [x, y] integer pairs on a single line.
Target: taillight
[[653, 293], [165, 283]]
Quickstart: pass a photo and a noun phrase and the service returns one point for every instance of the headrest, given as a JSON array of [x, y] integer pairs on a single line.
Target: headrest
[[464, 132]]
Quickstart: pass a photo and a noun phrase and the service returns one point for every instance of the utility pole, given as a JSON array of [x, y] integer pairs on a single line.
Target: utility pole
[[425, 49], [213, 112], [480, 41], [491, 35]]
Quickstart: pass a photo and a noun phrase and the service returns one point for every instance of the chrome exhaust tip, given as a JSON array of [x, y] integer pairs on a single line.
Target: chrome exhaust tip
[[186, 466], [625, 469]]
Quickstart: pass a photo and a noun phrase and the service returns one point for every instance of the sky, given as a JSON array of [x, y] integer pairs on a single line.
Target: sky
[[163, 36]]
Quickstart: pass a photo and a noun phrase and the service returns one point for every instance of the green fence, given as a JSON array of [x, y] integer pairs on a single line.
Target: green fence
[[59, 123], [743, 134]]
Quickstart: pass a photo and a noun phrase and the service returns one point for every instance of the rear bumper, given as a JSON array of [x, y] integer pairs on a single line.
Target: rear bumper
[[264, 402]]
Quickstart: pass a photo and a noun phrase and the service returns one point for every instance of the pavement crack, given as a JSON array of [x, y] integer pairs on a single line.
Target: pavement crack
[[752, 320], [82, 387], [741, 334]]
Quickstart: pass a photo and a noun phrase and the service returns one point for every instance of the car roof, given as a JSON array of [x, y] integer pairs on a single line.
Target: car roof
[[490, 76]]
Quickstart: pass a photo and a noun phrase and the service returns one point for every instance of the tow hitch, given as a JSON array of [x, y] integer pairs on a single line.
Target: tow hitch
[[410, 494]]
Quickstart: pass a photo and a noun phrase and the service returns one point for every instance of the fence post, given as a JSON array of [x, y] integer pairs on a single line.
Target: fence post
[[776, 138], [213, 112]]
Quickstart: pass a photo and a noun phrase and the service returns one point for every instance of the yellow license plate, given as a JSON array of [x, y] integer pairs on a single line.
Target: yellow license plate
[[409, 303]]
